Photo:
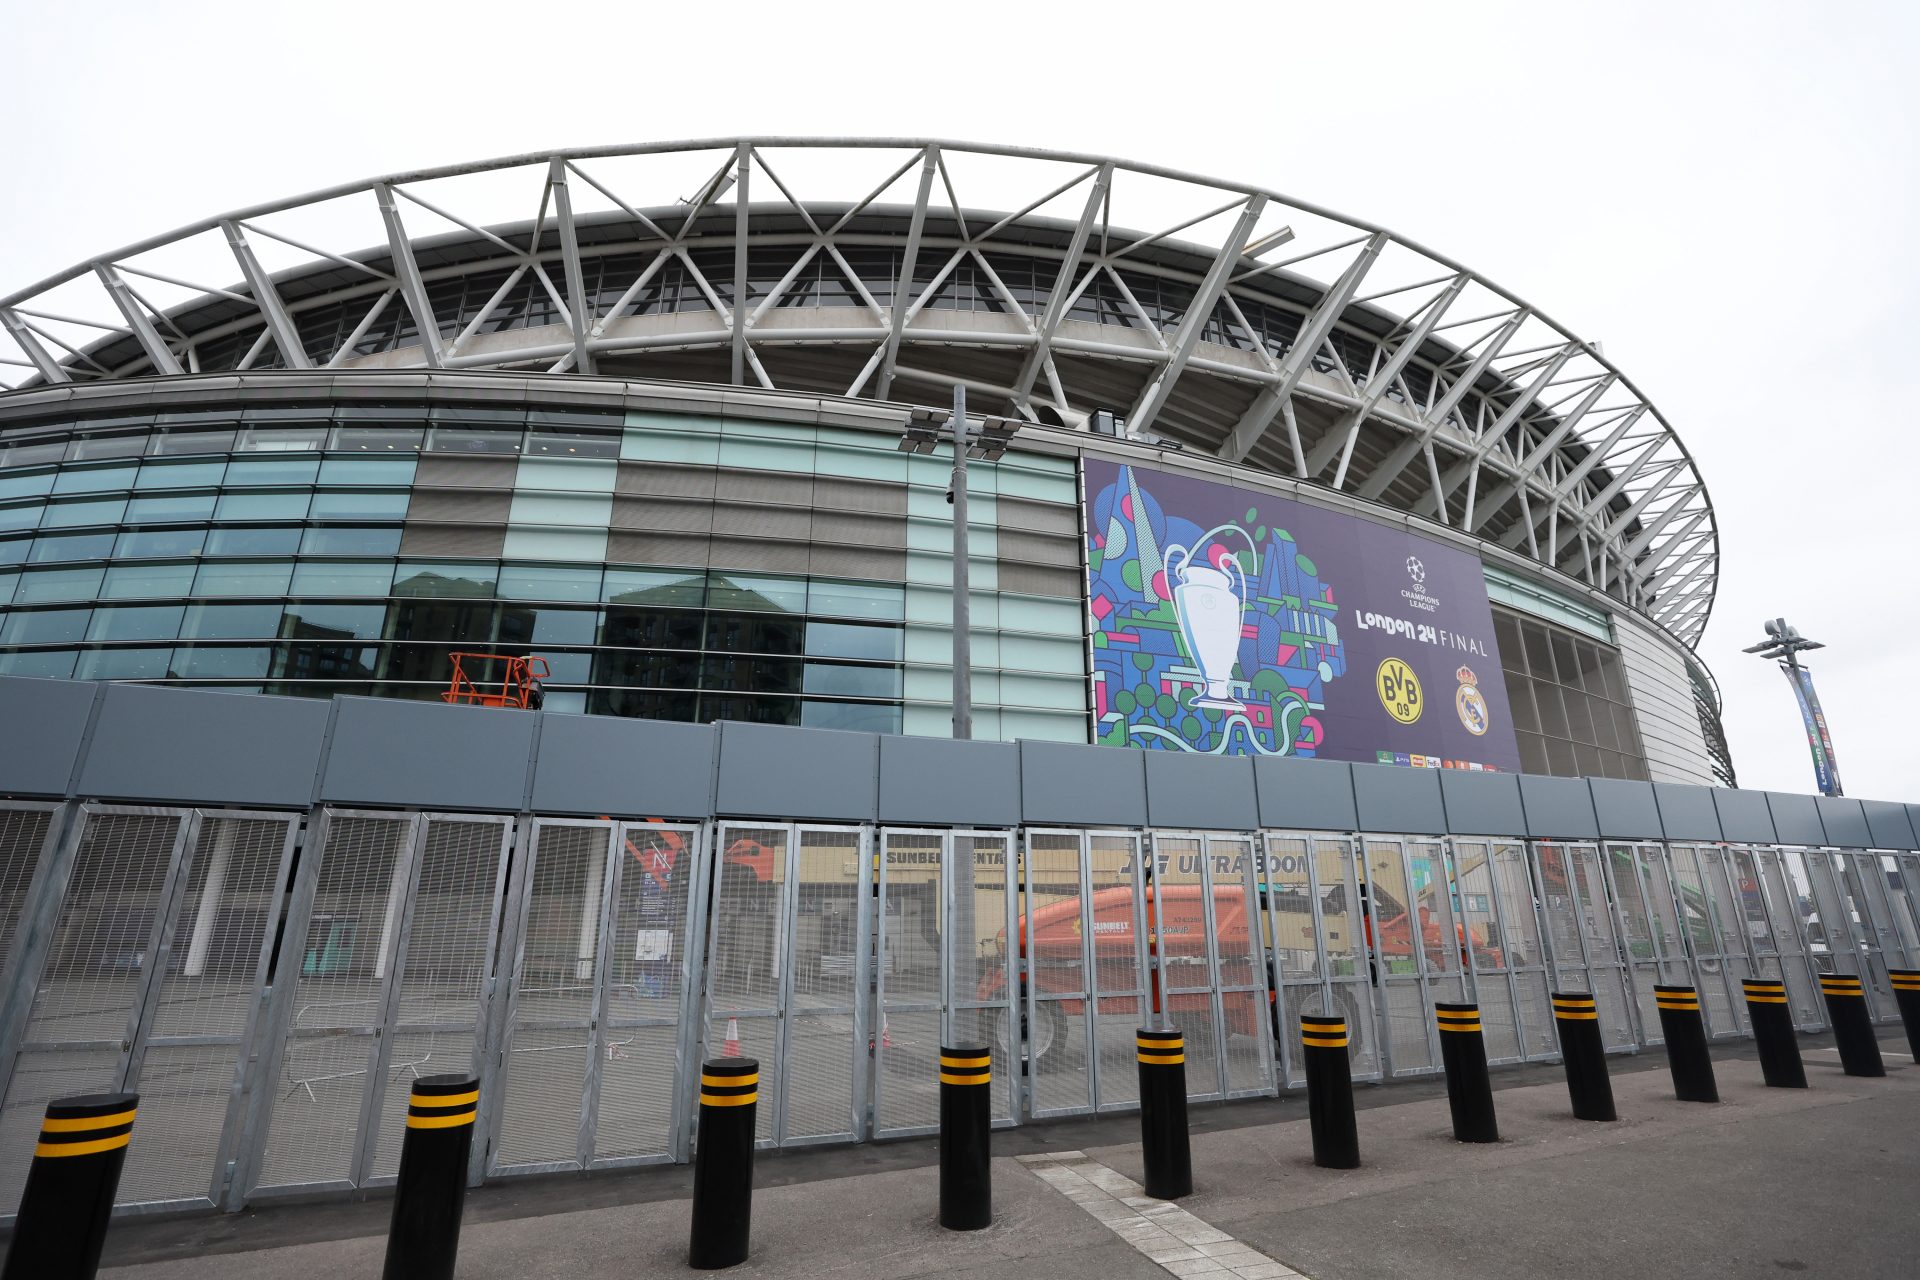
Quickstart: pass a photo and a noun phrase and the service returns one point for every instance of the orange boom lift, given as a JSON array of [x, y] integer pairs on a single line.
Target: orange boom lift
[[520, 687]]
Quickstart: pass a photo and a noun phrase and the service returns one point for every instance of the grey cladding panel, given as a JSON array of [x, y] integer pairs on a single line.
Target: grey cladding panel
[[1744, 816], [1558, 808], [1887, 824], [1094, 786], [1626, 810], [1201, 791], [1844, 822], [41, 723], [1390, 798], [202, 747], [1687, 813], [938, 780], [779, 771], [1795, 819], [1308, 795], [1482, 804], [632, 768], [429, 756]]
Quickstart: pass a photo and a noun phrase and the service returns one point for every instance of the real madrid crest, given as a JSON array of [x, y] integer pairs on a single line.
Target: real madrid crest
[[1469, 703]]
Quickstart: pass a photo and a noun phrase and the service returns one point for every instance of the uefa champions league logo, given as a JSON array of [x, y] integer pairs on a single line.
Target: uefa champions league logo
[[1416, 595], [1416, 571]]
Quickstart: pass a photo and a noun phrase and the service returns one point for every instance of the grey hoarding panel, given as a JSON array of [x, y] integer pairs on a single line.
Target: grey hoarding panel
[[204, 747], [1795, 819], [1844, 822], [780, 771], [1687, 813], [1092, 786], [1391, 798], [1558, 808], [951, 783], [607, 765], [1307, 795], [426, 755], [43, 721], [1482, 804], [1201, 791], [1744, 816], [1626, 810], [1913, 818], [1887, 824]]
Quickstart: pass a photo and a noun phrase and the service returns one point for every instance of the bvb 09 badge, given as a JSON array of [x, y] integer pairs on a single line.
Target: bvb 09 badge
[[1469, 703], [1399, 690]]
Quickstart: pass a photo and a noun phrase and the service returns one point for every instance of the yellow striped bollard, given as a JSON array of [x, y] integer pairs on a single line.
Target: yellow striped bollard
[[966, 1137], [1162, 1057], [723, 1163], [1852, 1024], [424, 1236], [1463, 1051], [1906, 991], [1577, 1018], [62, 1225], [1773, 1034], [1685, 1031], [1323, 1053]]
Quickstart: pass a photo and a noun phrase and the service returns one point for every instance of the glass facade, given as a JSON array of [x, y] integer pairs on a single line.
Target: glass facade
[[803, 577], [1571, 710]]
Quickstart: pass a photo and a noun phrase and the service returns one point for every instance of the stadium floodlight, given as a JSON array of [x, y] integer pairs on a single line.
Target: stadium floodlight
[[923, 431], [1784, 645]]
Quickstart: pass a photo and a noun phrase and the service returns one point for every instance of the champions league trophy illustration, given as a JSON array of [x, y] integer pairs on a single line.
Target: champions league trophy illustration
[[1209, 608]]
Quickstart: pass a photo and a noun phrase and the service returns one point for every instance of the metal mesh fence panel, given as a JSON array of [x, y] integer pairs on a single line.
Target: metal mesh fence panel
[[97, 967], [200, 1013], [1855, 871], [981, 942], [1240, 968], [23, 835], [1055, 947], [1181, 906], [747, 957], [1606, 970], [1700, 915], [910, 980], [337, 1003], [1524, 950], [825, 984], [1399, 958], [649, 977], [1118, 940], [1647, 931], [1786, 894], [1487, 946], [556, 991]]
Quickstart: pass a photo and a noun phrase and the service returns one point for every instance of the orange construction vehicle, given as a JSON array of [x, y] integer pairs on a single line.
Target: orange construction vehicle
[[520, 687]]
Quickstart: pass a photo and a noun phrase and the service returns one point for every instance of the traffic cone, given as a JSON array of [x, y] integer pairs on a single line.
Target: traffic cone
[[731, 1049]]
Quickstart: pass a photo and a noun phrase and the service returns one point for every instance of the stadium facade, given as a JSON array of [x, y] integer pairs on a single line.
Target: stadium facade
[[651, 436], [1391, 582]]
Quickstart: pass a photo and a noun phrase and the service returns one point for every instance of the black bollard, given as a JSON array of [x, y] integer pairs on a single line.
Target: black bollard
[[966, 1137], [1852, 1025], [1163, 1113], [1463, 1051], [1686, 1035], [1577, 1020], [1906, 990], [723, 1163], [424, 1236], [62, 1225], [1773, 1033], [1336, 1136]]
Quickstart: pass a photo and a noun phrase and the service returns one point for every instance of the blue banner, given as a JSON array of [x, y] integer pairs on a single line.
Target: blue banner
[[1826, 770]]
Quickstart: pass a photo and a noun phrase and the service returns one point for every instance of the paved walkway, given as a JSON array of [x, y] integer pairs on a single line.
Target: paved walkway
[[1821, 1182]]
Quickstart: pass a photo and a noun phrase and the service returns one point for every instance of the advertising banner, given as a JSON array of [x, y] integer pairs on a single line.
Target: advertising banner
[[1826, 770], [1240, 623]]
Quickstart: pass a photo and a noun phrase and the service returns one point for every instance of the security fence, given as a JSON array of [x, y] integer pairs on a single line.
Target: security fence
[[271, 981]]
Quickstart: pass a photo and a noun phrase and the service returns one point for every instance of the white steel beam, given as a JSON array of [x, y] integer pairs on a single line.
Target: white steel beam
[[406, 269], [137, 319], [1058, 300], [1407, 450], [1154, 396], [743, 170], [1259, 416], [285, 335], [909, 259], [22, 333], [577, 318]]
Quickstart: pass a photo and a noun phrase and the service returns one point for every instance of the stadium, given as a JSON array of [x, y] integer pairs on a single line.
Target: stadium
[[1332, 626]]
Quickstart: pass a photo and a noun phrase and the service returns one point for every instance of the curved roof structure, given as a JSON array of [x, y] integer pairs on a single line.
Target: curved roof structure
[[1217, 317]]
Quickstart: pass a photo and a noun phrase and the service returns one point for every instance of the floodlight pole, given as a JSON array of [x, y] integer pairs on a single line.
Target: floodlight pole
[[962, 612]]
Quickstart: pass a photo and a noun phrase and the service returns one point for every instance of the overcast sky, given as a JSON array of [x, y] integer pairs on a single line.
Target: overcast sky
[[1724, 195]]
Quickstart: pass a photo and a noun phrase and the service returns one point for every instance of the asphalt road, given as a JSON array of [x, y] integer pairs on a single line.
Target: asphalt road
[[1820, 1182]]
